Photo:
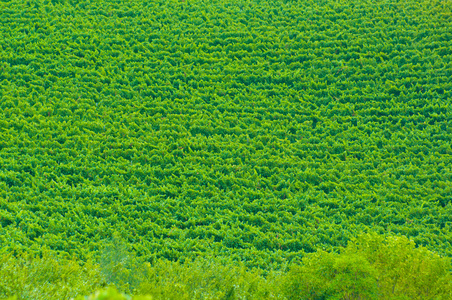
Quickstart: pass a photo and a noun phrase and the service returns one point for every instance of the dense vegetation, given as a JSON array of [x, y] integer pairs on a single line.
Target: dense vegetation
[[370, 267], [251, 131]]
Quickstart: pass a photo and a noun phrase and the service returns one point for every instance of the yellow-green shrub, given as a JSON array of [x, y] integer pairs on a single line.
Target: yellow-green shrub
[[112, 294], [46, 277], [202, 279], [372, 267], [404, 271]]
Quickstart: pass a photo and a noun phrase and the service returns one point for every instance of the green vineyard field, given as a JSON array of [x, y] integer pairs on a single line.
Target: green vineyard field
[[252, 131]]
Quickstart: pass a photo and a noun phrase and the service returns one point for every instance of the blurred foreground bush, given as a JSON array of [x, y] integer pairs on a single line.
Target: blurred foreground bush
[[370, 267], [46, 277]]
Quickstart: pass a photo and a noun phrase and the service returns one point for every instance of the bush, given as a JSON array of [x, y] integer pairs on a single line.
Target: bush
[[371, 267], [332, 276], [203, 279], [404, 271], [46, 277]]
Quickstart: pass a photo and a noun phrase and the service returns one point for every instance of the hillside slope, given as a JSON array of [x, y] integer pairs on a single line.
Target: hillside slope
[[251, 130]]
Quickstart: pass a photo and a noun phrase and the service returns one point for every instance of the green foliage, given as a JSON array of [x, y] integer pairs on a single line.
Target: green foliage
[[372, 267], [404, 270], [46, 277], [112, 294], [332, 276], [192, 279], [252, 131], [119, 266], [203, 279]]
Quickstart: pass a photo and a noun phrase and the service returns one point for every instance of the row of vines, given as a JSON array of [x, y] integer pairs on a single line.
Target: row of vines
[[257, 130]]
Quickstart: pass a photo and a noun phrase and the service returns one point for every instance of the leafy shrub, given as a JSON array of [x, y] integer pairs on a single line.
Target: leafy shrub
[[203, 279], [404, 270], [372, 267], [112, 294], [46, 277], [332, 276]]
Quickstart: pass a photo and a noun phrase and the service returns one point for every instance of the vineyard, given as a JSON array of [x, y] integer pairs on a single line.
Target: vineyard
[[239, 130]]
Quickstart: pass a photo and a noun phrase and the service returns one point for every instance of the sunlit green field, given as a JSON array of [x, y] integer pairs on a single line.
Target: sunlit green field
[[246, 131]]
